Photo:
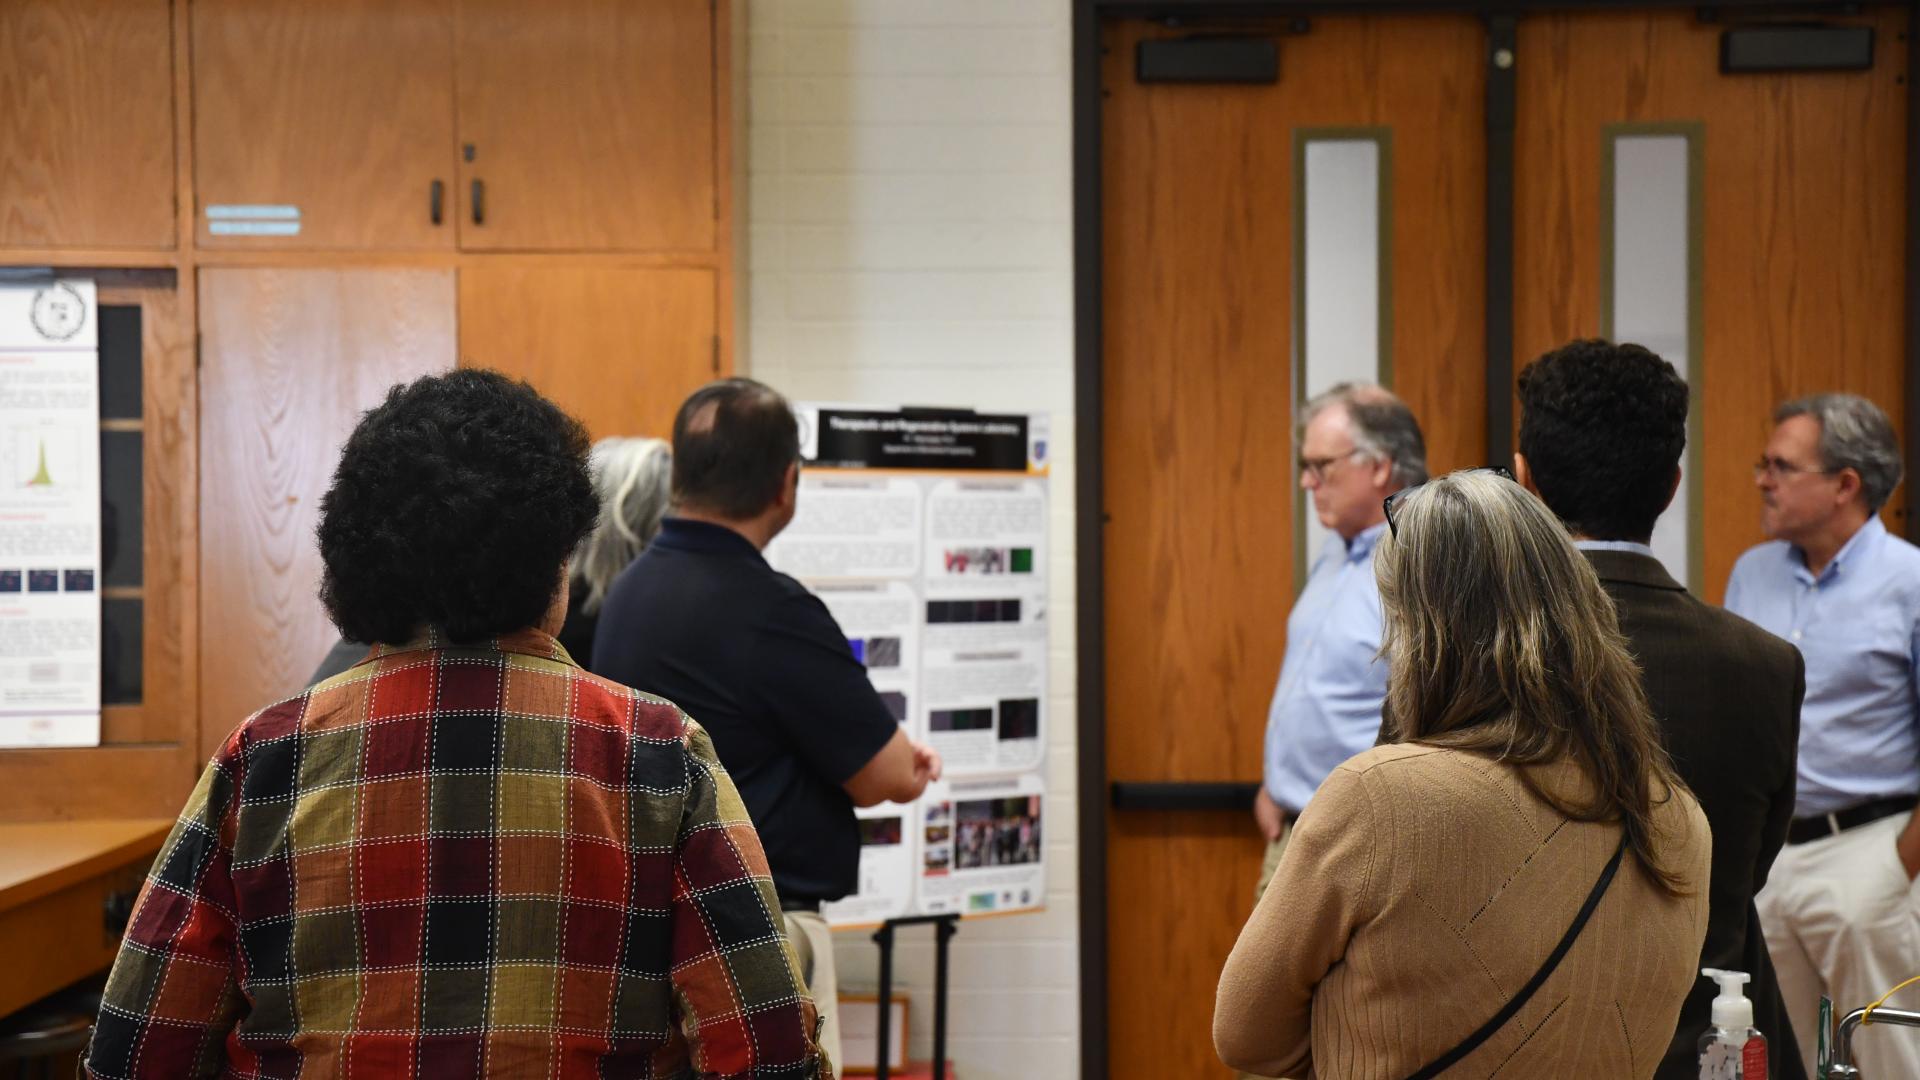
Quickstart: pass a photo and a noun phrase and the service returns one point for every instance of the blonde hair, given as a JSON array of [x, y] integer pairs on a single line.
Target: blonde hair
[[1501, 641], [630, 475]]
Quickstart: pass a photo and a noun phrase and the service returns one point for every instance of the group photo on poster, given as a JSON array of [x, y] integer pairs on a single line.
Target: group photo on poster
[[983, 844]]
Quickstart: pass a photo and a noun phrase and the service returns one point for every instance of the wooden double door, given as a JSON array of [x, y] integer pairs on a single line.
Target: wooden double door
[[1219, 238]]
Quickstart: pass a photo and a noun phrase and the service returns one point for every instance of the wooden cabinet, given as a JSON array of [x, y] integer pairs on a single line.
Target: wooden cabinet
[[597, 264], [86, 124], [289, 359], [337, 111], [490, 125], [591, 125], [619, 348]]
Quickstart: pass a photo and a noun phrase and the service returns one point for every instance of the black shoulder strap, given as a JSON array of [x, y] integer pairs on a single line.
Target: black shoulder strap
[[1472, 1042]]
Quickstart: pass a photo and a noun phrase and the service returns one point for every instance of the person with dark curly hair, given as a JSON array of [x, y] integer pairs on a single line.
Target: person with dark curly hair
[[1601, 434], [465, 854]]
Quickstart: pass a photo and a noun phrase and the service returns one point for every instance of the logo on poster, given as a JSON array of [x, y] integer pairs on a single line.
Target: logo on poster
[[808, 421], [59, 311]]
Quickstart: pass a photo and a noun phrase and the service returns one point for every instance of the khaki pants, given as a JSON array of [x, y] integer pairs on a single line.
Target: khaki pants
[[1268, 865], [813, 943], [1842, 919]]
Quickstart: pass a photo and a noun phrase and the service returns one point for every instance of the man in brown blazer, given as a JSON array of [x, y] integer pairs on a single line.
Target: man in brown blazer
[[1601, 435]]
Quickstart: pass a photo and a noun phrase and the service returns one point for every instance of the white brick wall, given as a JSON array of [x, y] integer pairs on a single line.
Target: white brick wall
[[910, 240]]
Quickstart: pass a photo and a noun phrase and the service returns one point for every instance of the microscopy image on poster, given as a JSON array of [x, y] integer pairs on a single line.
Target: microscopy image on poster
[[887, 850], [986, 529], [881, 621], [924, 531], [983, 698], [984, 843]]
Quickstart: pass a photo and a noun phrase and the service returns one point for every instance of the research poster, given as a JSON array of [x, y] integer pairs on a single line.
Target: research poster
[[49, 515], [925, 533]]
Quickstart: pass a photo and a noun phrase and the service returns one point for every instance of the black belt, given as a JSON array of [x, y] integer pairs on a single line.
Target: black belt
[[788, 903], [1821, 826]]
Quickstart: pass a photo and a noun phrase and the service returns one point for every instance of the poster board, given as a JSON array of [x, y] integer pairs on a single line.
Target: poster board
[[49, 514], [925, 533]]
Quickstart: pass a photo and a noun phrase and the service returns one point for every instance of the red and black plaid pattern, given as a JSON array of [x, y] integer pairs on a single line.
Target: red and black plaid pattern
[[460, 861]]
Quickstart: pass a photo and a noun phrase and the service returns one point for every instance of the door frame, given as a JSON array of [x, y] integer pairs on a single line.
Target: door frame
[[1501, 17]]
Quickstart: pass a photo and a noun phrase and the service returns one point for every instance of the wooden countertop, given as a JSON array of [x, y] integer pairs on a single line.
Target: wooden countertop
[[43, 857]]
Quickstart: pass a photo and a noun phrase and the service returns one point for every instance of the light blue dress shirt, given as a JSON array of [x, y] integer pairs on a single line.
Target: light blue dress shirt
[[1326, 707], [1858, 626]]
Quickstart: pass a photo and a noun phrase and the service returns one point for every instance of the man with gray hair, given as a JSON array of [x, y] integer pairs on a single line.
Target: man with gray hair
[[1839, 909], [1359, 445]]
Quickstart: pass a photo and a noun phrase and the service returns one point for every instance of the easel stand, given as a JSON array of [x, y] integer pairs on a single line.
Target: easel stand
[[944, 927]]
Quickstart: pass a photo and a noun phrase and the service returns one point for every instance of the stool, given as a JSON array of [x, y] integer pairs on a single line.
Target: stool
[[57, 1025]]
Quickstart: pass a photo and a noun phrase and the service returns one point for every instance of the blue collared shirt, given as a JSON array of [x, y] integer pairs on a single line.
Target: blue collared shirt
[[1326, 707], [1858, 626]]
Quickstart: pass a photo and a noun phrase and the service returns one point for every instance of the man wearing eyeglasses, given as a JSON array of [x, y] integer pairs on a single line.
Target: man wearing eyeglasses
[[1359, 445], [1839, 909], [1602, 430]]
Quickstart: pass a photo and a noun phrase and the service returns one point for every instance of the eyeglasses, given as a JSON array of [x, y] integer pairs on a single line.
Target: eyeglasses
[[1318, 467], [1391, 503], [1774, 468]]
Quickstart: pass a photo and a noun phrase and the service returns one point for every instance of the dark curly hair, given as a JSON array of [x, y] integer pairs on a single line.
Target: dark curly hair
[[455, 503], [1602, 429]]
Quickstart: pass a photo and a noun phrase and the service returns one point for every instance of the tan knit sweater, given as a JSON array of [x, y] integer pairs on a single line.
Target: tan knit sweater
[[1420, 889]]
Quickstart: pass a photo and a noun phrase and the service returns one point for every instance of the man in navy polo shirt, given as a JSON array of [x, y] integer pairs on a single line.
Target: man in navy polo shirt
[[756, 659]]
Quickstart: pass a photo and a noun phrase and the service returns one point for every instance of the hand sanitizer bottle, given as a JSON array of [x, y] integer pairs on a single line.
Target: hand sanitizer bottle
[[1732, 1049]]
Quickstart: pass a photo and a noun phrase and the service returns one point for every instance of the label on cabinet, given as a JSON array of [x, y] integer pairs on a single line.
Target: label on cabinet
[[235, 219]]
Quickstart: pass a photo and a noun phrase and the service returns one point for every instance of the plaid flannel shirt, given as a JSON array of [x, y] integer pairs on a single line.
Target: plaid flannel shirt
[[456, 861]]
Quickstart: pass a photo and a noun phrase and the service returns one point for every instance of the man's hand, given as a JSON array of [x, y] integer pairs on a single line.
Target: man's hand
[[1908, 845], [926, 763], [898, 773], [1268, 815]]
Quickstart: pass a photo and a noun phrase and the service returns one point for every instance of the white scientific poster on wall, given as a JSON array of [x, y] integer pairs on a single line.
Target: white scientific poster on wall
[[49, 515], [925, 533]]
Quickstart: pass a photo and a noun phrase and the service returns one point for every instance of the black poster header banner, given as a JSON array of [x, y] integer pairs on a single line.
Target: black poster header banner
[[915, 439]]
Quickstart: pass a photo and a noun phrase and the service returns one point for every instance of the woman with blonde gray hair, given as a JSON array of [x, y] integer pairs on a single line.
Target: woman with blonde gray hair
[[1515, 880], [632, 477]]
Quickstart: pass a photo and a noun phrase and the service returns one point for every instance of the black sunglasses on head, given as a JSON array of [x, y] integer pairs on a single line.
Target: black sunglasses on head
[[1392, 502]]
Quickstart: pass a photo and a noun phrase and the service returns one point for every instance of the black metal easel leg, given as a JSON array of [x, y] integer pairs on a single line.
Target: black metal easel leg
[[883, 937], [942, 933], [944, 927]]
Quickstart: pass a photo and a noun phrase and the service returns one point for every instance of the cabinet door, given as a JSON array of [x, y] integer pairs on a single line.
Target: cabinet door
[[618, 348], [288, 361], [586, 125], [324, 124], [86, 124]]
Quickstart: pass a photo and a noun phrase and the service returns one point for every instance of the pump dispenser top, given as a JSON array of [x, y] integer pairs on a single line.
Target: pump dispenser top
[[1731, 1009]]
